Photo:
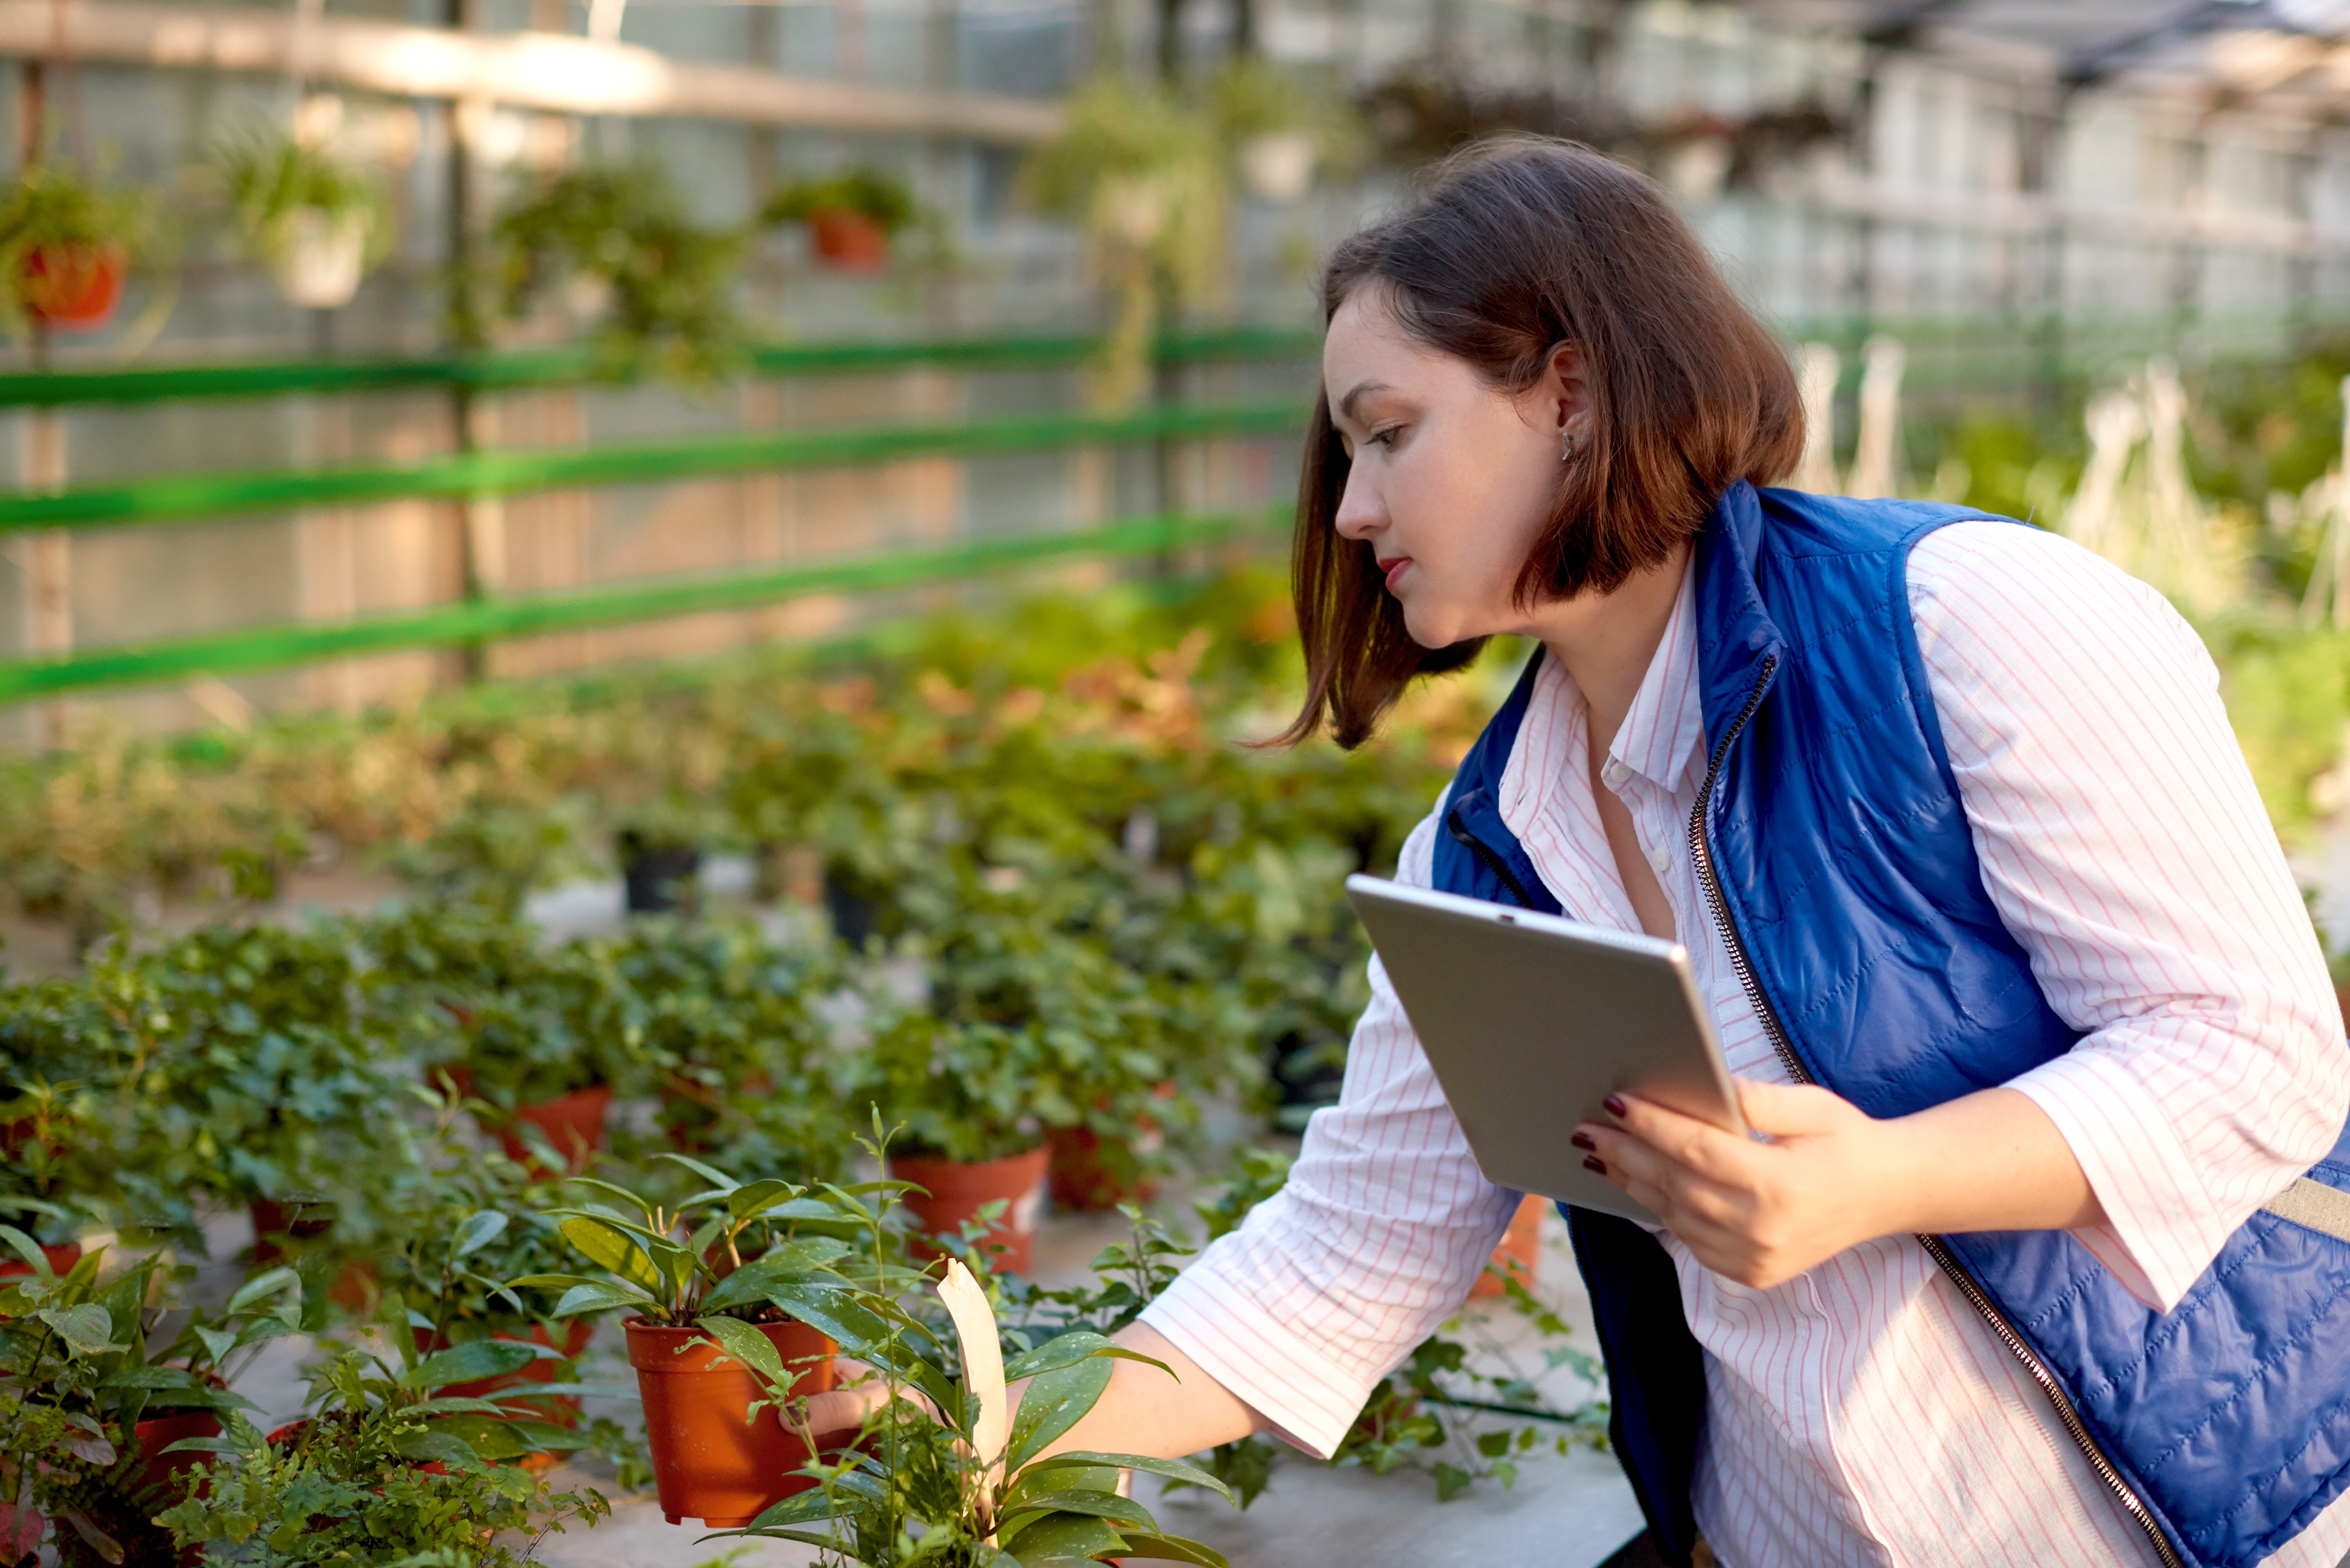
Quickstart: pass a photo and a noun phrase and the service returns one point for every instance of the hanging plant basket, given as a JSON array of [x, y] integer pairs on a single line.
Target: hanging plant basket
[[849, 241], [74, 287], [850, 217], [324, 256]]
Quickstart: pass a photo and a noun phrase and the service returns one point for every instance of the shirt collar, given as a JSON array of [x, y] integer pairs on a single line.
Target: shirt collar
[[1666, 720]]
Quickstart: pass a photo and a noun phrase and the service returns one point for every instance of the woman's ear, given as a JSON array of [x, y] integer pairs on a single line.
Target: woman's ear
[[1565, 393]]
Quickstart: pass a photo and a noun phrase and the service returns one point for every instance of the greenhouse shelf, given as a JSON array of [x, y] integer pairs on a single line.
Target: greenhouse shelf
[[178, 498], [248, 648], [578, 365]]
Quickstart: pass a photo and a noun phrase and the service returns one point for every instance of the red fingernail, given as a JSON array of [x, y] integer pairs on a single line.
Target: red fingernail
[[1582, 1140], [1613, 1106], [1593, 1162]]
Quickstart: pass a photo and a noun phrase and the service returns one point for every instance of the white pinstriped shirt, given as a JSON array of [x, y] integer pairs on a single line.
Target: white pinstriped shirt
[[1861, 1413]]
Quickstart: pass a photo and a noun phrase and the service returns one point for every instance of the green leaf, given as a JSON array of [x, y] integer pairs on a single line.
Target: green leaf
[[607, 1246], [750, 1203], [587, 1298], [833, 1312], [749, 1346], [1065, 1541], [1183, 1471], [86, 1329], [1102, 1504], [1067, 1350], [807, 1508], [1172, 1549], [469, 1363], [27, 1249], [1451, 1481], [478, 1233], [622, 1193], [261, 1286], [431, 1445], [1055, 1402], [710, 1174]]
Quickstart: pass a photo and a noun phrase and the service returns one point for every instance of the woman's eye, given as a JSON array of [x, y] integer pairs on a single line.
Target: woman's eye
[[1382, 437]]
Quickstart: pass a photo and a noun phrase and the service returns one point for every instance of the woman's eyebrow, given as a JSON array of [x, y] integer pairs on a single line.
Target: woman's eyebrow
[[1346, 403]]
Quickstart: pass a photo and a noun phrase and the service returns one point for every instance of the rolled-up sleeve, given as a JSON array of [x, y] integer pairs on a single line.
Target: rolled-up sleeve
[[2125, 845], [1384, 1225]]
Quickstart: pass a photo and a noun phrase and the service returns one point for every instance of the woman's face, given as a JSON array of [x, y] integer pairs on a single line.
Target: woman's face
[[1451, 480]]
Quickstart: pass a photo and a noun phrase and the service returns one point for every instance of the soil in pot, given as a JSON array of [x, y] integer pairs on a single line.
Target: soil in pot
[[847, 240], [75, 288], [711, 1462], [955, 1191], [1521, 1248]]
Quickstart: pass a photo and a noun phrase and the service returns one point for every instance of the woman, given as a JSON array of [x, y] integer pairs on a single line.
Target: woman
[[1949, 817]]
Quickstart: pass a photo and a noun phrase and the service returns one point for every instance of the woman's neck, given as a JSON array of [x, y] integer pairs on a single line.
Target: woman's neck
[[1606, 641]]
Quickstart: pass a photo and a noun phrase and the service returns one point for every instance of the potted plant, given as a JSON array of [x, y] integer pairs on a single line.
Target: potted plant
[[1280, 127], [316, 222], [245, 1070], [80, 1396], [966, 1094], [660, 844], [538, 1057], [1143, 175], [386, 1460], [66, 248], [734, 1275], [850, 216], [947, 1472], [614, 245]]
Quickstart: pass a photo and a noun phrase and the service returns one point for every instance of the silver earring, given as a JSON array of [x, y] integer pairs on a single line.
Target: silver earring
[[1566, 451]]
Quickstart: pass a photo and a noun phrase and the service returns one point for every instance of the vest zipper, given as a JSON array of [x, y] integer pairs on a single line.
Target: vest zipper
[[1702, 855]]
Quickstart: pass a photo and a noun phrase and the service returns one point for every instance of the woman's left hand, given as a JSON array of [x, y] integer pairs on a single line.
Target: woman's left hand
[[1833, 1176]]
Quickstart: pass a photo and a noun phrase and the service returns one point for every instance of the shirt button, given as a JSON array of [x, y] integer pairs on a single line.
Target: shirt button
[[1614, 775], [1661, 858]]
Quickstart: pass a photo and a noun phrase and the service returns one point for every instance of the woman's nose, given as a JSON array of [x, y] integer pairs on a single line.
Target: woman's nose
[[1361, 513]]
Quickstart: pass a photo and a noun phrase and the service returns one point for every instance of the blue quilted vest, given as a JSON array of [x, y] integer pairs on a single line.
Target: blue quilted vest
[[1837, 858]]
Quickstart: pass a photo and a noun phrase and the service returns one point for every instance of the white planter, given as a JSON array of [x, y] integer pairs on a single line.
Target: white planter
[[1279, 165], [326, 257]]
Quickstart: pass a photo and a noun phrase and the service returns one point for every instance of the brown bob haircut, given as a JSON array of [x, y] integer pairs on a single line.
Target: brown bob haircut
[[1515, 247]]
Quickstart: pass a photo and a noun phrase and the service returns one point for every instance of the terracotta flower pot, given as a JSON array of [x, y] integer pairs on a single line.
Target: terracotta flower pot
[[1521, 1248], [62, 1258], [955, 1191], [709, 1461], [573, 1122], [575, 1335], [1084, 1181], [849, 239], [75, 288]]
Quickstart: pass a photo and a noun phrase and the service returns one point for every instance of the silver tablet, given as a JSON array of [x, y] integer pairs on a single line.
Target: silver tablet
[[1530, 1021]]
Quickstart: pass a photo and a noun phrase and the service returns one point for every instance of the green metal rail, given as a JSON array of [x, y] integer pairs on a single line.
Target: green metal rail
[[249, 649], [178, 498], [574, 364]]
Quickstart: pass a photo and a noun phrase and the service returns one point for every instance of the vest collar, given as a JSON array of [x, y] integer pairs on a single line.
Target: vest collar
[[1734, 632]]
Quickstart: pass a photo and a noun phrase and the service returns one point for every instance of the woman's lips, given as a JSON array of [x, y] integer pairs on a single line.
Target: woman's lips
[[1395, 569]]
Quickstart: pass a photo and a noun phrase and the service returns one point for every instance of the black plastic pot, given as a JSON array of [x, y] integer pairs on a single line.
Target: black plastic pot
[[659, 880], [852, 913]]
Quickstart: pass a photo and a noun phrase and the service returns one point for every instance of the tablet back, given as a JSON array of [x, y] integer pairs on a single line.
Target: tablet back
[[1530, 1021]]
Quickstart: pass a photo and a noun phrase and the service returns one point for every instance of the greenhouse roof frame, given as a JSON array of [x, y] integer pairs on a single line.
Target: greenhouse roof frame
[[2291, 56]]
